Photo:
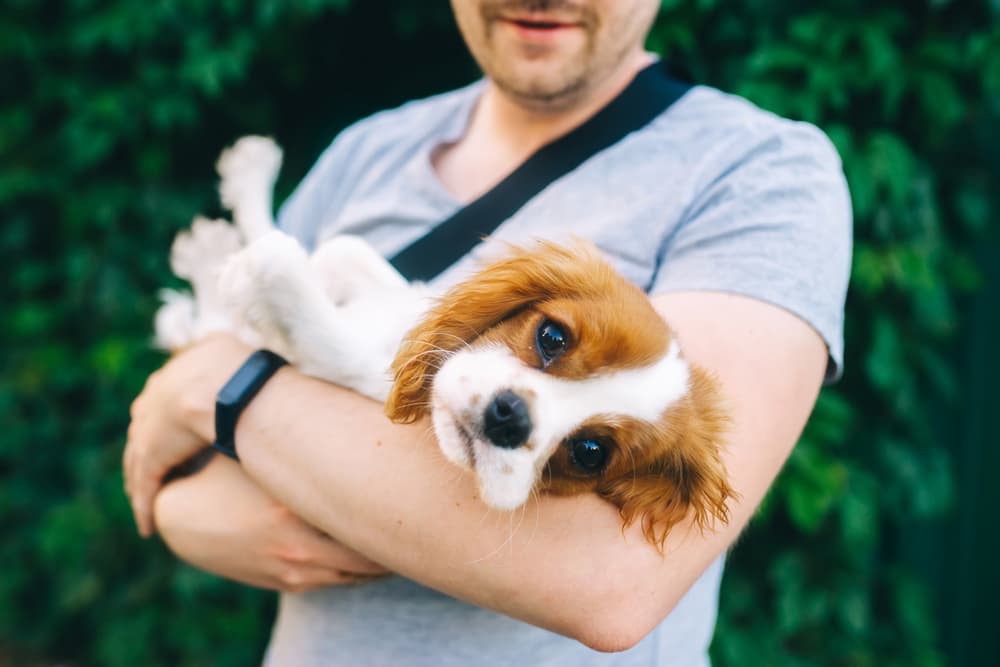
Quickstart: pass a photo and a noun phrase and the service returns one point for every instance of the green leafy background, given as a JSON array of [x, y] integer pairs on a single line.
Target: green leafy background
[[867, 552]]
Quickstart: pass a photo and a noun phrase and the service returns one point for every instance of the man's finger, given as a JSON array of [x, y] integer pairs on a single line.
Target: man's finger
[[126, 455], [301, 579], [140, 508], [324, 552], [355, 564], [133, 505], [125, 475], [143, 491]]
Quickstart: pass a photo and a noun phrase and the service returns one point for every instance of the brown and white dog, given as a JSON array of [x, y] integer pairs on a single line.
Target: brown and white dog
[[545, 371]]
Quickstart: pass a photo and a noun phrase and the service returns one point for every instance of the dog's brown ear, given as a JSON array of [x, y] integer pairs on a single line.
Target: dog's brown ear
[[687, 477], [525, 276]]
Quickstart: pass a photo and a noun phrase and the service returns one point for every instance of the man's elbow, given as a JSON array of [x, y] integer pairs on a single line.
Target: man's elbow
[[612, 628], [609, 642]]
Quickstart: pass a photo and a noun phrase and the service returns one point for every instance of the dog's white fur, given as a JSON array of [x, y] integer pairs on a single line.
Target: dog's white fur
[[340, 314]]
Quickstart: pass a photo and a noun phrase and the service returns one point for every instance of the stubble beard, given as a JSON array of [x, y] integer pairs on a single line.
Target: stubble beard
[[555, 90]]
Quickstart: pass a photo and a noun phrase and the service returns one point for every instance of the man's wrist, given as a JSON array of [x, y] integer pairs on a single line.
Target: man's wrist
[[237, 394], [264, 415], [215, 359]]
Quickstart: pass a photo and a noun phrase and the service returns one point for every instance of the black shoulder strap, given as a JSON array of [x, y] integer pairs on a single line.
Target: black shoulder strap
[[649, 94]]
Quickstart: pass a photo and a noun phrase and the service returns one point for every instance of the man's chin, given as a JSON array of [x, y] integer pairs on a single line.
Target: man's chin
[[538, 86]]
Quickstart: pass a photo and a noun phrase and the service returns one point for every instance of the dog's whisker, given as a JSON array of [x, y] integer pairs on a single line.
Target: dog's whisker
[[434, 352], [419, 355], [534, 528], [467, 343], [499, 548], [432, 345], [418, 404], [419, 341], [416, 357]]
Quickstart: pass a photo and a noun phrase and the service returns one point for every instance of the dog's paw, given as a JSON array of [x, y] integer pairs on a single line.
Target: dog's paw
[[264, 269], [246, 167], [199, 252], [174, 324], [261, 285]]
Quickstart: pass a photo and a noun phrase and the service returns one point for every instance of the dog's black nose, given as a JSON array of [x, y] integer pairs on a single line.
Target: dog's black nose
[[506, 421]]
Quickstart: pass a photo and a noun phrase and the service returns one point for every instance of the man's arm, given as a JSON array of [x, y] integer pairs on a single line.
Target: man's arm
[[220, 521], [560, 563]]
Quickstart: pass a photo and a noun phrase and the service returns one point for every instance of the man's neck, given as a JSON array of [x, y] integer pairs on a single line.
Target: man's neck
[[525, 128], [502, 133]]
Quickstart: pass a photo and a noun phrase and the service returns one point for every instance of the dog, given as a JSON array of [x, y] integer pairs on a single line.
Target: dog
[[545, 371]]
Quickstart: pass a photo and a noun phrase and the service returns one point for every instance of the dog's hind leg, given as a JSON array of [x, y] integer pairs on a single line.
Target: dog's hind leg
[[271, 288], [247, 171], [197, 255], [347, 267]]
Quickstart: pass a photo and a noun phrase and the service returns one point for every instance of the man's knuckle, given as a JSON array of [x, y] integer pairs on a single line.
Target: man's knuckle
[[191, 408], [294, 553], [292, 580], [282, 516]]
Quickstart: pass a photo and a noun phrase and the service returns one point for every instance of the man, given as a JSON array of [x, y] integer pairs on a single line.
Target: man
[[735, 221]]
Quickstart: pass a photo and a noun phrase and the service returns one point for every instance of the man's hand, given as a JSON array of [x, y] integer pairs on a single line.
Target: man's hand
[[220, 521], [173, 418]]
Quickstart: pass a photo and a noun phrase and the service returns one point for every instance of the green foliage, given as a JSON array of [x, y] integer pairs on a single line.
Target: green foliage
[[111, 115], [910, 96]]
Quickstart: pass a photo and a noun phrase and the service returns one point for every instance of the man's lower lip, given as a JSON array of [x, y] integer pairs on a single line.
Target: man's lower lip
[[539, 31]]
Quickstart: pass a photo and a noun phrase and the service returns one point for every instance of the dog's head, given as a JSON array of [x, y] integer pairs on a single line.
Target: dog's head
[[549, 371]]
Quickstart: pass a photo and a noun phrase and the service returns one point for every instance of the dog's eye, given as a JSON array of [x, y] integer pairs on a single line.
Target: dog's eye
[[551, 341], [587, 454]]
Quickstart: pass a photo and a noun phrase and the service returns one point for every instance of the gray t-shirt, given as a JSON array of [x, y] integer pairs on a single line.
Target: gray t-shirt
[[714, 194]]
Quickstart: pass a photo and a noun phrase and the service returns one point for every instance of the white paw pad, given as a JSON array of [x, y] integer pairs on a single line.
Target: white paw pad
[[257, 283], [201, 250], [249, 164], [174, 324]]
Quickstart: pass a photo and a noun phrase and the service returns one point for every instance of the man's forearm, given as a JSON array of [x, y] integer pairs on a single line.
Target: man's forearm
[[220, 521], [386, 491]]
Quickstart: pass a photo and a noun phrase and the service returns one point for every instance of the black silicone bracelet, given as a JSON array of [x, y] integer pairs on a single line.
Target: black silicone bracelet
[[237, 393]]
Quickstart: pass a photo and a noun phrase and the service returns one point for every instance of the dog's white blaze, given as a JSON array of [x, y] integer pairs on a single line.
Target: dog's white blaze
[[558, 406]]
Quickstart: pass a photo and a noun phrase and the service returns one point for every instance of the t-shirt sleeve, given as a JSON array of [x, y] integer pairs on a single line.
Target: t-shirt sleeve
[[771, 219]]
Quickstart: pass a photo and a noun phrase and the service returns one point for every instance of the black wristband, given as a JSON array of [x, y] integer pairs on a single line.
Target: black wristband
[[234, 397]]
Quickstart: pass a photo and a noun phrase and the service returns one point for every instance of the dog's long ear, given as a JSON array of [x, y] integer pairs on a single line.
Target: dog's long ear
[[686, 477], [525, 276]]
